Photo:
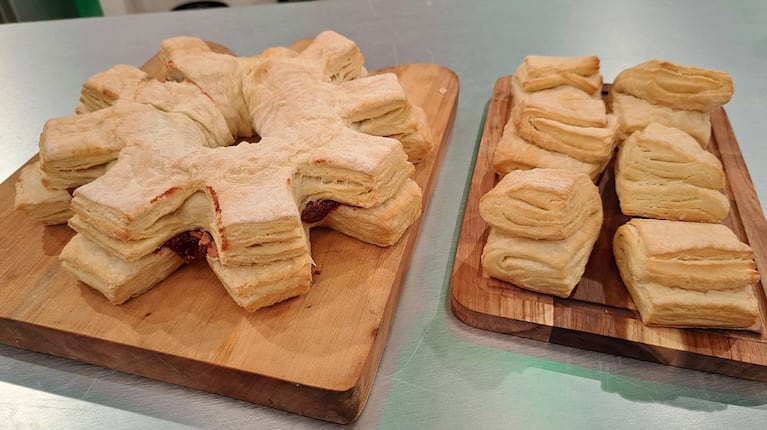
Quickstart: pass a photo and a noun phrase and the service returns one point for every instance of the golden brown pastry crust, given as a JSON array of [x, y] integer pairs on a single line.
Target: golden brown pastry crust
[[538, 73], [680, 87], [546, 266], [634, 114], [687, 274], [541, 203], [557, 119], [544, 223], [514, 153], [662, 172]]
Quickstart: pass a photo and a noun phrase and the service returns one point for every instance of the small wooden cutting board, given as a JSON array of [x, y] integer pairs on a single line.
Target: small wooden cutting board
[[600, 314], [315, 355]]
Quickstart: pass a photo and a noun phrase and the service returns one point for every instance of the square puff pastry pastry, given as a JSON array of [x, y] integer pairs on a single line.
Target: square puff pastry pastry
[[671, 94], [686, 274], [546, 266], [662, 172], [558, 119], [544, 223], [541, 203], [680, 87], [634, 114], [538, 73], [569, 122], [516, 153]]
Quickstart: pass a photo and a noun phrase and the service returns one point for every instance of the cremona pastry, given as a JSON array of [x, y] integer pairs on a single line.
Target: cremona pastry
[[543, 226], [670, 94], [558, 119], [170, 187], [662, 172], [687, 274]]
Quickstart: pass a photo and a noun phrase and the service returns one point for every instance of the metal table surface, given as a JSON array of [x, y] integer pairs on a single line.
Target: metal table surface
[[436, 372]]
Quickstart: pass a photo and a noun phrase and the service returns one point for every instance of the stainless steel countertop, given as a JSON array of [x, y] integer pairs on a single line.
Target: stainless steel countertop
[[436, 372]]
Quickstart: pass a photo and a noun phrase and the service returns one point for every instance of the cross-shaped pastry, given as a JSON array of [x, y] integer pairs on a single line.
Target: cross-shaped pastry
[[243, 204]]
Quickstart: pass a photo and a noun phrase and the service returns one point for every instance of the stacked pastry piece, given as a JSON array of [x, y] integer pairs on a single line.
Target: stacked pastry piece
[[671, 94], [77, 149], [680, 266], [544, 223], [687, 274], [168, 188], [663, 169], [558, 118], [662, 172]]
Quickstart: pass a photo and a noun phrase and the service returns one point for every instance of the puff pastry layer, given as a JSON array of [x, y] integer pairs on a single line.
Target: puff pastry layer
[[538, 73], [540, 203], [680, 87], [155, 168], [546, 266], [544, 223], [662, 172], [558, 119], [687, 274], [671, 94], [634, 114]]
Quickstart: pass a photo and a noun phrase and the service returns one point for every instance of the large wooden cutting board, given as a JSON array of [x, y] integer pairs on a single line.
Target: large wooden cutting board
[[600, 314], [315, 355]]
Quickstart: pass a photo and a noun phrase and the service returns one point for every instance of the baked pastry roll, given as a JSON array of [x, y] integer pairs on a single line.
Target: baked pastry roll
[[520, 96], [634, 114], [662, 172], [543, 72], [546, 266], [540, 203], [514, 153], [686, 274], [680, 87], [39, 202], [544, 223]]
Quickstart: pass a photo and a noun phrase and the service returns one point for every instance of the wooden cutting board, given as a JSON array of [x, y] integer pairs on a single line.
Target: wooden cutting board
[[600, 314], [315, 355]]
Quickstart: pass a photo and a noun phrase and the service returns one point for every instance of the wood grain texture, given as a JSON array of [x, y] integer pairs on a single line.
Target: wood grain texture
[[315, 355], [600, 314]]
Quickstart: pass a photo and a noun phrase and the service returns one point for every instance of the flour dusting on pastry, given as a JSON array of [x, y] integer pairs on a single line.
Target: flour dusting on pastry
[[165, 163]]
